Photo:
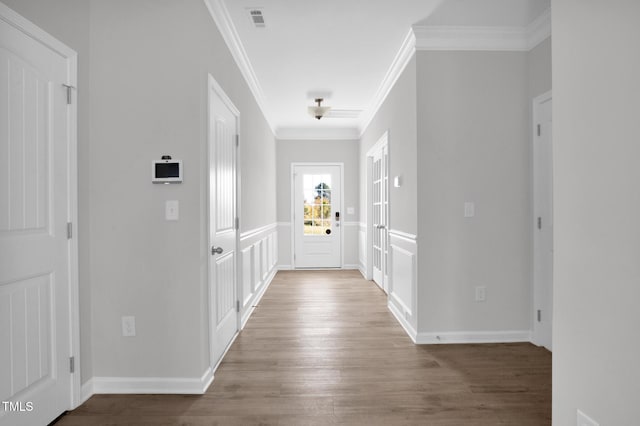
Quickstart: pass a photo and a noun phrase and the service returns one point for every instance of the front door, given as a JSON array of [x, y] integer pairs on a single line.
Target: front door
[[317, 216], [35, 252], [223, 131]]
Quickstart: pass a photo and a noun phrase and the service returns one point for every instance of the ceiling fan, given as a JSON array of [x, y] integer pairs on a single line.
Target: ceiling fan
[[318, 111]]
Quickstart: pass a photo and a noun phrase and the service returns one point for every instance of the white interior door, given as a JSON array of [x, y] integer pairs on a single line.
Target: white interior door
[[223, 131], [317, 221], [380, 206], [543, 227], [35, 207]]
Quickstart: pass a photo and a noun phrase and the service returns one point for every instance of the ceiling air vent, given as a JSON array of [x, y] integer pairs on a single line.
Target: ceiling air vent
[[257, 18]]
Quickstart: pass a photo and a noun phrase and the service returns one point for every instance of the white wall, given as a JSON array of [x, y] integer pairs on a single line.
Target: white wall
[[149, 66], [397, 115], [596, 348], [473, 145], [143, 71], [539, 68], [68, 21], [301, 151]]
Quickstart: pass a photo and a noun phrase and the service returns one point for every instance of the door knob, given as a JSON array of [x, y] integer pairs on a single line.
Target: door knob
[[216, 250]]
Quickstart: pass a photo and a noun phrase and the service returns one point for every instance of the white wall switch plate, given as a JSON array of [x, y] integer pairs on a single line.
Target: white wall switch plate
[[172, 210], [129, 326], [351, 210], [584, 420], [397, 182], [469, 209], [481, 294]]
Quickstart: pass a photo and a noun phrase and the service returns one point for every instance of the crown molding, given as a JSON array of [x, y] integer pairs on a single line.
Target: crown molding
[[484, 38], [227, 29], [400, 62], [317, 133]]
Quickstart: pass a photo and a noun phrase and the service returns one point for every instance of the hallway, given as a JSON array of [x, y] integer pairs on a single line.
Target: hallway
[[323, 349]]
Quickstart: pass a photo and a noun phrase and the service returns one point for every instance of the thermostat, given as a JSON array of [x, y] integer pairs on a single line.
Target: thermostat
[[166, 170]]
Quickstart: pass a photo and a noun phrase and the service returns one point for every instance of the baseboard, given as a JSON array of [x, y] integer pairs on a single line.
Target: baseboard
[[258, 297], [86, 391], [152, 385], [361, 268], [347, 267], [474, 337], [411, 332]]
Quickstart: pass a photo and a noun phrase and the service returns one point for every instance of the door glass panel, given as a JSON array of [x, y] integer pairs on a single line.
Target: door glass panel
[[317, 204]]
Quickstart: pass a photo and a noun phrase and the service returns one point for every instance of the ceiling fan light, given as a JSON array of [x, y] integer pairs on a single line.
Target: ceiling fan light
[[318, 111]]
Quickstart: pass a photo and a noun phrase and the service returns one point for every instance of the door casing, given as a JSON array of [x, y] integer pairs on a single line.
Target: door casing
[[541, 336]]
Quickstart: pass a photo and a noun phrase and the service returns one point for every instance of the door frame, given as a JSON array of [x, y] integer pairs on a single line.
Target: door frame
[[536, 103], [379, 145], [213, 86], [31, 30], [293, 205]]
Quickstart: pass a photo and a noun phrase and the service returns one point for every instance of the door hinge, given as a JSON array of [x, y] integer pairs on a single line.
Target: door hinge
[[237, 223], [72, 364], [69, 96], [539, 222], [539, 130], [237, 306], [69, 230], [237, 140], [539, 315]]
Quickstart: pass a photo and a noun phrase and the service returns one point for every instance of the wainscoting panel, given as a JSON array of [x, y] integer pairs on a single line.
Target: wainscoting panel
[[259, 249], [247, 274], [285, 257], [403, 279], [362, 248]]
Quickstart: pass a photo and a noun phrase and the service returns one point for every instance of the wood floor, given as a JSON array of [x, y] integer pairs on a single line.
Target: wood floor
[[322, 349]]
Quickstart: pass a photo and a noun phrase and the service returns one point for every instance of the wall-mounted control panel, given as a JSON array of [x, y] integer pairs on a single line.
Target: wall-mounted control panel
[[166, 170]]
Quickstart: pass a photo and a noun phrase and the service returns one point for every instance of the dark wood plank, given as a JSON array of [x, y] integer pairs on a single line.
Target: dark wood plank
[[322, 349]]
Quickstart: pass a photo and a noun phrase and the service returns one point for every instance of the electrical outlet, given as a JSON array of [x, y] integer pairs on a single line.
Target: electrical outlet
[[481, 294], [584, 420], [129, 326], [469, 209]]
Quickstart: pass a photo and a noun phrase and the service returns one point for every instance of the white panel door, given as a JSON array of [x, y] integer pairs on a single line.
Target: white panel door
[[543, 231], [380, 204], [35, 205], [317, 216], [223, 128]]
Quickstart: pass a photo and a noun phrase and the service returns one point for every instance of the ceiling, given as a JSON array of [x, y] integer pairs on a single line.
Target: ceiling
[[342, 50]]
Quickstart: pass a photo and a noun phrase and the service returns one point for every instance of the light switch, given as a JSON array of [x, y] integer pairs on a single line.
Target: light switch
[[397, 182], [172, 210], [351, 210], [469, 209]]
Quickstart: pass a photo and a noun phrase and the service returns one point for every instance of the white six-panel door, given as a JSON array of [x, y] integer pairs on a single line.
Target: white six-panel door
[[36, 203], [223, 130], [317, 195]]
